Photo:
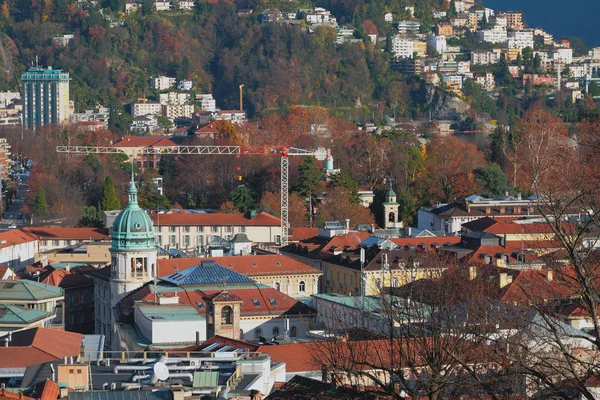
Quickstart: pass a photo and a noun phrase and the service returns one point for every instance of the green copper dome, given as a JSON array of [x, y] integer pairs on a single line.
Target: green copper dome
[[133, 229]]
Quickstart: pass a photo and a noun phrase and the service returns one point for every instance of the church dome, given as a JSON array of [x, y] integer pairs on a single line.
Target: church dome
[[133, 228]]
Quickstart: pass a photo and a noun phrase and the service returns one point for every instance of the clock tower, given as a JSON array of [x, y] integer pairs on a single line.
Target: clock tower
[[133, 251]]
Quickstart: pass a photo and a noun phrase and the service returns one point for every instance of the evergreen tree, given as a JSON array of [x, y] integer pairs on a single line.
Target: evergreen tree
[[344, 181], [110, 201], [242, 198], [309, 178], [40, 204]]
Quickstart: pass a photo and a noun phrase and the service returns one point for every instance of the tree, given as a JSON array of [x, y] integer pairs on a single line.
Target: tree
[[343, 182], [164, 122], [242, 199], [297, 213], [450, 163], [492, 180], [310, 176], [228, 131], [40, 205], [110, 200], [228, 208], [337, 207]]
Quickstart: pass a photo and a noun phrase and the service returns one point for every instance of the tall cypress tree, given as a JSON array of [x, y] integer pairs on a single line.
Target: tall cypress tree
[[40, 205], [110, 201]]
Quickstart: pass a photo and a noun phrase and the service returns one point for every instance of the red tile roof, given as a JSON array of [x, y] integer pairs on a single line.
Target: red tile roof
[[298, 357], [261, 265], [303, 233], [209, 129], [441, 240], [505, 226], [216, 219], [50, 390], [39, 345], [15, 237], [45, 233], [137, 141], [6, 395]]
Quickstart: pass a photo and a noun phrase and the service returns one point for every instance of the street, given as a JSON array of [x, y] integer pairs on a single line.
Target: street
[[14, 216]]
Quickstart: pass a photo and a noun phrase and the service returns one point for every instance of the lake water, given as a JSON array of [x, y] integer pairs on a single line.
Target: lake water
[[577, 18]]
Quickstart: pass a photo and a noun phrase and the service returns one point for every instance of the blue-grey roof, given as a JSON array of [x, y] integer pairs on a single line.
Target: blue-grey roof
[[207, 273], [120, 395]]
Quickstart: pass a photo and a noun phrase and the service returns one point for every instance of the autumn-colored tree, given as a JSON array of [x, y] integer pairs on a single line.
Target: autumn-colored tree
[[337, 207], [450, 163], [228, 131], [297, 213], [228, 208]]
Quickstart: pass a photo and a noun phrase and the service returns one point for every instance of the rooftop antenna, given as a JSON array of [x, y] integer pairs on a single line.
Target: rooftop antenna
[[37, 64]]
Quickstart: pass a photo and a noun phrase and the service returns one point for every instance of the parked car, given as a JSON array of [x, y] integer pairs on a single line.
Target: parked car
[[12, 226]]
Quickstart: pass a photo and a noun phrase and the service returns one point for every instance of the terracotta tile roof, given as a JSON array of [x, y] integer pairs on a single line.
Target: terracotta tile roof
[[15, 237], [139, 141], [54, 277], [6, 395], [350, 241], [39, 345], [45, 233], [504, 226], [215, 219], [298, 357], [536, 286], [209, 129], [301, 233], [260, 265], [441, 240], [225, 296], [50, 390]]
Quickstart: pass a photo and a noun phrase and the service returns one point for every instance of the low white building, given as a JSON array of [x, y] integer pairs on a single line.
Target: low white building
[[185, 5], [520, 39], [185, 84], [146, 108], [207, 102], [409, 27], [485, 57], [438, 43], [564, 56], [173, 98], [17, 249], [320, 16], [156, 322], [388, 17], [162, 5], [494, 35]]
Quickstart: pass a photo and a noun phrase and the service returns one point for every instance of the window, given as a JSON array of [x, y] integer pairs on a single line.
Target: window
[[55, 242], [275, 331], [138, 267], [171, 229], [200, 240], [200, 229], [294, 332], [82, 317], [74, 299], [172, 240], [392, 217], [277, 286], [256, 302], [257, 333], [273, 302], [200, 305], [186, 240], [229, 229], [160, 240], [242, 229], [186, 228], [301, 286], [226, 316], [213, 229]]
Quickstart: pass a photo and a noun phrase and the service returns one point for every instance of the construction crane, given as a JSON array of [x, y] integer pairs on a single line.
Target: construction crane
[[283, 152]]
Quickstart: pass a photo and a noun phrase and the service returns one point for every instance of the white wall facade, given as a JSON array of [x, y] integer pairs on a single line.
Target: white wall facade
[[19, 256], [267, 323], [170, 331]]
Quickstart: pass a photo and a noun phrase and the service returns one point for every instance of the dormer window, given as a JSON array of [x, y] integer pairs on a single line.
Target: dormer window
[[256, 302]]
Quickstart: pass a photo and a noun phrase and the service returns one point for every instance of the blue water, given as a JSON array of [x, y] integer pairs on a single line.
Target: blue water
[[577, 18]]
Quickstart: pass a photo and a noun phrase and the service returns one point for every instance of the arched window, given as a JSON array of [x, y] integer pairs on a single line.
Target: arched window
[[301, 286], [275, 331], [293, 332], [392, 217], [277, 286], [226, 316], [257, 332]]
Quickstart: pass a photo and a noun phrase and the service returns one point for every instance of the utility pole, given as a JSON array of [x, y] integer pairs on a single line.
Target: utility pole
[[241, 90]]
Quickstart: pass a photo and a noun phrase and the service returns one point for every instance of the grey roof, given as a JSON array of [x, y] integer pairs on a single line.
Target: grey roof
[[241, 238], [207, 273], [121, 395], [24, 290]]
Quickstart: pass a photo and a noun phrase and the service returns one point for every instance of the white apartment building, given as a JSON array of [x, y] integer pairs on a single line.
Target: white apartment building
[[577, 71], [6, 98], [45, 97], [547, 38], [173, 111], [487, 81], [565, 56], [207, 102], [388, 17], [439, 14], [320, 16], [185, 5], [520, 39], [497, 34], [162, 82], [173, 98], [409, 27], [402, 48], [485, 57], [460, 7], [594, 53], [453, 79], [438, 43], [145, 108]]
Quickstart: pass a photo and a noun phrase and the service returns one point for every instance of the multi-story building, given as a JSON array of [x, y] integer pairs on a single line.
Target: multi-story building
[[45, 97], [409, 27], [5, 153], [134, 147], [497, 34], [472, 21], [173, 111], [162, 5], [320, 16], [207, 102], [162, 82], [185, 84], [185, 5], [145, 107], [520, 39], [407, 65], [438, 43], [564, 56], [485, 57], [487, 81], [7, 98], [173, 98], [538, 79], [514, 20], [402, 48], [443, 29]]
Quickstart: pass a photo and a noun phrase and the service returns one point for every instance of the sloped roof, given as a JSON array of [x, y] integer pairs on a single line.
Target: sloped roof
[[24, 290], [39, 345], [6, 395], [298, 357], [259, 265], [67, 233], [140, 141], [206, 273], [299, 233], [215, 219], [10, 314], [208, 129], [15, 237]]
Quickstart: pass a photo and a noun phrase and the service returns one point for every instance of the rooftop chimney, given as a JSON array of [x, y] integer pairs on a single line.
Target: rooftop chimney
[[505, 279], [347, 225]]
